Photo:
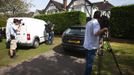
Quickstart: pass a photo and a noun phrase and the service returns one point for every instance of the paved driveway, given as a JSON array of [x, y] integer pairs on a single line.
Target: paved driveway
[[53, 62]]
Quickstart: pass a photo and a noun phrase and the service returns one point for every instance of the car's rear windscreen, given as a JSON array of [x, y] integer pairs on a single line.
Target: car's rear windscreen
[[76, 31]]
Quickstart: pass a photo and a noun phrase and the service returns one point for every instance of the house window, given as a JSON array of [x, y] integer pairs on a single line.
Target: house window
[[79, 2], [79, 8], [52, 11]]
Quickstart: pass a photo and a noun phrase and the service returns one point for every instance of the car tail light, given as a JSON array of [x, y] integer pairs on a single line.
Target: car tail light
[[28, 37]]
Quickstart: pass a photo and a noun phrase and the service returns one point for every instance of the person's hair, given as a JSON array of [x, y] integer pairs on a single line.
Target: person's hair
[[97, 14], [16, 21], [12, 36]]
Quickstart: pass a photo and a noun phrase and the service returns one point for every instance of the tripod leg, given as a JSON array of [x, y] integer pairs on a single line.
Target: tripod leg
[[116, 61], [109, 48]]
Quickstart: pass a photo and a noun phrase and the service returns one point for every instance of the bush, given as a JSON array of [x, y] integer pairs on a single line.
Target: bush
[[3, 20], [122, 22], [64, 20]]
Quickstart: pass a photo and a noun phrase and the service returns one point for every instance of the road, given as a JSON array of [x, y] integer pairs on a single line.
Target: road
[[53, 62]]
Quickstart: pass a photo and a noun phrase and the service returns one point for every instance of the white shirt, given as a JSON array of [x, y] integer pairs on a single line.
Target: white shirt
[[91, 41], [9, 31]]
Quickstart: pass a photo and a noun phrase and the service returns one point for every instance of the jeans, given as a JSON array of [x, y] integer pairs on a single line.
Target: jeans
[[50, 37], [89, 61]]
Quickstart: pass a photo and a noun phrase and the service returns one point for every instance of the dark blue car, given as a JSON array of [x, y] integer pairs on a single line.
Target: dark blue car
[[73, 38]]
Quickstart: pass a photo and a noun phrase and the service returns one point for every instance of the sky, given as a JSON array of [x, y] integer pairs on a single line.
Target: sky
[[41, 4]]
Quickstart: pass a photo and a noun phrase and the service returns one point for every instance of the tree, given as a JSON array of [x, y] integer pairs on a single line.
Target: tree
[[13, 7], [1, 3]]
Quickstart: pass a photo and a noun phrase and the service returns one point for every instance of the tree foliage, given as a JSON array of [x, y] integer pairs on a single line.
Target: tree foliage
[[13, 7], [3, 20]]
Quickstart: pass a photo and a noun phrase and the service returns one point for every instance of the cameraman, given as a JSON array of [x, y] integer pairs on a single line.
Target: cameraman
[[91, 40]]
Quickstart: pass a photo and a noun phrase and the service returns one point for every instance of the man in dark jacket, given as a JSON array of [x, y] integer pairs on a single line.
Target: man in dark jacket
[[50, 32]]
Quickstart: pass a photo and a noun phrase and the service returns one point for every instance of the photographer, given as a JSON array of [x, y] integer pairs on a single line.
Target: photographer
[[12, 41], [91, 40], [50, 32]]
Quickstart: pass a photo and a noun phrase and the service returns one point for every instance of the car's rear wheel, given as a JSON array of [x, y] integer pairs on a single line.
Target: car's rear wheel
[[36, 43]]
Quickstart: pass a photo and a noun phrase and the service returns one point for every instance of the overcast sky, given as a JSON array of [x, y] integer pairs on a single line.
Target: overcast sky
[[41, 4]]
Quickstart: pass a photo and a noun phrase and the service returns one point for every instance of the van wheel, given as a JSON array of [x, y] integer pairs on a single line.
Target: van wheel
[[36, 43]]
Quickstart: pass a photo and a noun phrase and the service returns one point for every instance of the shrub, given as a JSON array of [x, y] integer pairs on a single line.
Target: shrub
[[3, 20], [64, 20], [122, 22]]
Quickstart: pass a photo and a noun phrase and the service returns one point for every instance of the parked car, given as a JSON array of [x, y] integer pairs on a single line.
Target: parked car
[[32, 31], [73, 38]]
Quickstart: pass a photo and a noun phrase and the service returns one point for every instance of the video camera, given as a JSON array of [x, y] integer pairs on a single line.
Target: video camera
[[104, 22]]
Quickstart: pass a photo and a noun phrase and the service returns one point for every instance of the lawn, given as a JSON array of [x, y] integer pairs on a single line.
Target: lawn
[[22, 54], [125, 56]]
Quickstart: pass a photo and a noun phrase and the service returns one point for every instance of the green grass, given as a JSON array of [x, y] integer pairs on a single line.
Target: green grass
[[125, 56], [22, 54]]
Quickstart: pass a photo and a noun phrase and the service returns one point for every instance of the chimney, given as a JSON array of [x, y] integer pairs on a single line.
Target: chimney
[[64, 4]]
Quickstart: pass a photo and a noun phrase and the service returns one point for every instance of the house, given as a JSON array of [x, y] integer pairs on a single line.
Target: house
[[78, 5], [81, 5], [104, 7], [54, 7], [89, 8]]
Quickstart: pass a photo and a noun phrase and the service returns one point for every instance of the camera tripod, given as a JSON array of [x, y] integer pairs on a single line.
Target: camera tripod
[[106, 46]]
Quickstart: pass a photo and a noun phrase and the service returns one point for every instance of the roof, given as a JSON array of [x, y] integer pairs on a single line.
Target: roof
[[72, 1], [58, 5], [103, 5]]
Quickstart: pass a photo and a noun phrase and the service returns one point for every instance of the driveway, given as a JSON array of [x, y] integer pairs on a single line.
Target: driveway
[[53, 62]]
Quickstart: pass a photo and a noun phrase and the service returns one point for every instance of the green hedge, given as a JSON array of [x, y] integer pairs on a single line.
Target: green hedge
[[3, 20], [122, 19], [64, 20]]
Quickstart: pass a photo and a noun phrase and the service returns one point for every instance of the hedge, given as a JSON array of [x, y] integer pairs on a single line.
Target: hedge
[[64, 20], [3, 20], [122, 19]]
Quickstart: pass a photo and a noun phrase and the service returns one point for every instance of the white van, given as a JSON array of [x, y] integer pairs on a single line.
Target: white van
[[32, 31]]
